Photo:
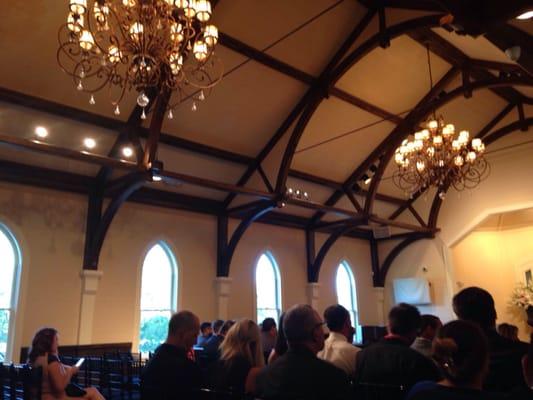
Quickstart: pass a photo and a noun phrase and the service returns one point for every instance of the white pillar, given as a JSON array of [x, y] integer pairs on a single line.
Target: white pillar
[[223, 291], [313, 291], [379, 292], [89, 287]]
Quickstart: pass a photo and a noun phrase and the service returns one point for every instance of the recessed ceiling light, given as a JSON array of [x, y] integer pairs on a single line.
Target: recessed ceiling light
[[89, 143], [157, 178], [41, 131], [127, 151], [526, 15]]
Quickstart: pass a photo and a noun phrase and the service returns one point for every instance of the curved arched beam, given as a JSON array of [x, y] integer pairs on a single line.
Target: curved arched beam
[[402, 130], [223, 268], [314, 271], [137, 180], [494, 136], [395, 252], [333, 77]]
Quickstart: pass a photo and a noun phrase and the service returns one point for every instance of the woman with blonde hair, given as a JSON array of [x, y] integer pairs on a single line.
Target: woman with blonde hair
[[56, 375], [241, 358]]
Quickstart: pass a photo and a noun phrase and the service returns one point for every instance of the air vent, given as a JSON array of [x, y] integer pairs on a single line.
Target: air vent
[[381, 231]]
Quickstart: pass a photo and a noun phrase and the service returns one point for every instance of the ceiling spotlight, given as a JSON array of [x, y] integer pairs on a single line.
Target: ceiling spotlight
[[41, 131], [366, 179], [156, 178], [89, 143], [127, 151], [526, 15]]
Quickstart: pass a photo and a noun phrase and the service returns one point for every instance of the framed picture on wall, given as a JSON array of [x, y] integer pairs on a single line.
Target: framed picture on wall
[[524, 273]]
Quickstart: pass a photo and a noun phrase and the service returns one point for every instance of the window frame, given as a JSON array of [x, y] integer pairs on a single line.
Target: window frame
[[174, 289], [354, 309], [277, 276], [15, 287]]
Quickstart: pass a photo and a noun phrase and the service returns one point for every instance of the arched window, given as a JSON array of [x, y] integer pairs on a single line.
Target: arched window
[[158, 296], [9, 272], [346, 295], [267, 285]]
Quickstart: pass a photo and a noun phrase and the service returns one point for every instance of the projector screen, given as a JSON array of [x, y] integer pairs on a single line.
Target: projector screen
[[412, 291]]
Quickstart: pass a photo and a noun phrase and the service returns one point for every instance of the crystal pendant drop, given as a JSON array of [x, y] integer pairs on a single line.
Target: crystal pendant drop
[[80, 86], [117, 110], [442, 195], [143, 115], [170, 114], [143, 100], [201, 97], [82, 74], [92, 101], [194, 106]]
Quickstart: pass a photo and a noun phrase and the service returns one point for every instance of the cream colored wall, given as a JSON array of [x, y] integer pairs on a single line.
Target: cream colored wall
[[494, 261], [424, 259], [50, 228]]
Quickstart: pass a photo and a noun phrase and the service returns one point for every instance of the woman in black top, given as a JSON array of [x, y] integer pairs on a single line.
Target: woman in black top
[[241, 358], [461, 352]]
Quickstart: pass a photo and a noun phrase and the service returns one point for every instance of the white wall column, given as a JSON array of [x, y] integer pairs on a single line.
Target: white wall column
[[379, 292], [223, 291], [313, 292], [89, 287]]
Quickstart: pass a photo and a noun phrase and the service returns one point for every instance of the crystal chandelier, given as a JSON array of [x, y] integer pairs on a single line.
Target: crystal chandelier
[[123, 45], [437, 156]]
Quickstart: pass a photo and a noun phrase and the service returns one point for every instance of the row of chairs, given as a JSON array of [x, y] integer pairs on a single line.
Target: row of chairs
[[20, 382], [116, 375]]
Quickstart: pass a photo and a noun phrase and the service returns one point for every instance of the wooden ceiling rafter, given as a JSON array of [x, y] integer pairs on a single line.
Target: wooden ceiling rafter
[[317, 89]]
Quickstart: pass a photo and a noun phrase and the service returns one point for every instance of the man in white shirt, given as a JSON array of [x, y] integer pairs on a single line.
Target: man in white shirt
[[338, 348]]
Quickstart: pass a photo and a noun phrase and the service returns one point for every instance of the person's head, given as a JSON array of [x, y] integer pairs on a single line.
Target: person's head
[[44, 341], [303, 327], [243, 339], [269, 326], [476, 305], [508, 331], [182, 329], [338, 320], [226, 327], [404, 321], [205, 329], [429, 325], [217, 325], [461, 352]]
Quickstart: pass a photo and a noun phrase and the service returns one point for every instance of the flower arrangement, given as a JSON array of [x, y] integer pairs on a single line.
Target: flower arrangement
[[522, 296]]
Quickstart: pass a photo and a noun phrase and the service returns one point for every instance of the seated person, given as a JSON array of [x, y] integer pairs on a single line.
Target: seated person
[[280, 347], [391, 361], [269, 333], [505, 371], [338, 348], [299, 374], [461, 352], [429, 326], [56, 375], [508, 331], [211, 347], [206, 331], [240, 360], [170, 373]]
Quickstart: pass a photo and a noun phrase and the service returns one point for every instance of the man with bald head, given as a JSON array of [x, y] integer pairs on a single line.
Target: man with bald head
[[170, 374], [299, 374]]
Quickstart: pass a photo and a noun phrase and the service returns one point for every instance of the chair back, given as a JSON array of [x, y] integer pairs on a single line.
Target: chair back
[[20, 382], [378, 391]]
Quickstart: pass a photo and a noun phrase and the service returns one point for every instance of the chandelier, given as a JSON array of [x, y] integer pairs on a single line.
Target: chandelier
[[122, 45], [438, 156]]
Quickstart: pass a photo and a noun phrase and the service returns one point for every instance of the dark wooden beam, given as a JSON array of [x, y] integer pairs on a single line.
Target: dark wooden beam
[[505, 36], [374, 260], [156, 123], [521, 117], [417, 216], [493, 122]]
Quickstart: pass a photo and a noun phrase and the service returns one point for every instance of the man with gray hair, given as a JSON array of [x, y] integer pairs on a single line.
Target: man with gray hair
[[170, 374], [299, 374]]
